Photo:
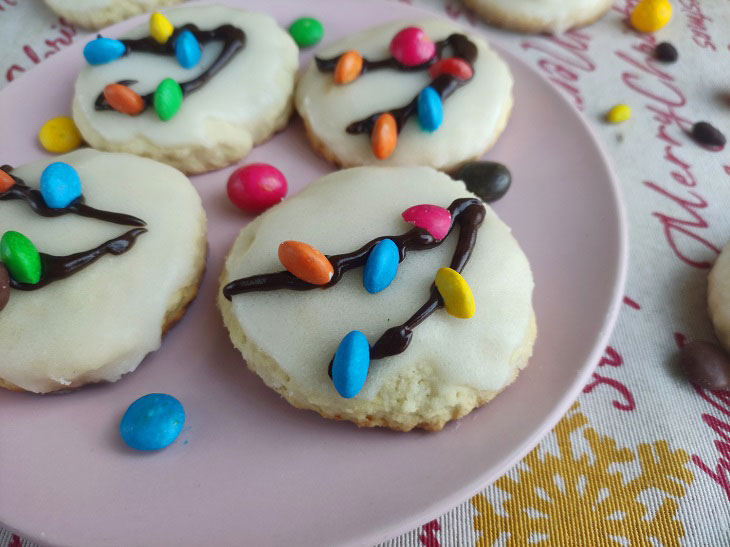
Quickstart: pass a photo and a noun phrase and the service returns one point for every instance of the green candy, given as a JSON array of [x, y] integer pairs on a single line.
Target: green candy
[[20, 257], [306, 31], [167, 99]]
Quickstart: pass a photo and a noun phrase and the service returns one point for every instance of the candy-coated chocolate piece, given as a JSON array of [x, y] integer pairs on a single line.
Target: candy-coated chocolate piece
[[430, 109], [152, 422], [619, 113], [384, 136], [4, 286], [454, 66], [167, 99], [306, 31], [487, 179], [123, 99], [20, 257], [160, 28], [456, 293], [381, 266], [432, 218], [60, 185], [348, 67], [103, 50], [6, 181], [707, 134], [306, 262], [187, 49], [351, 364], [411, 47], [706, 365], [256, 187], [651, 15], [59, 135], [666, 52]]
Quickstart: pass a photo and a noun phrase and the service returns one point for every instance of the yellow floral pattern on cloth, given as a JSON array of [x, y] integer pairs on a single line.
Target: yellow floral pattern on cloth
[[591, 498]]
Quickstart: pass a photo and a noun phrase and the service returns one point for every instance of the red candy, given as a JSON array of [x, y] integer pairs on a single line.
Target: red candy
[[454, 66], [256, 187], [412, 47], [432, 218]]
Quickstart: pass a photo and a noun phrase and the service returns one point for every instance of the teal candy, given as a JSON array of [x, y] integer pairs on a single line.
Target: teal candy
[[20, 257], [381, 266], [152, 422], [430, 109], [351, 364], [187, 49], [167, 99], [103, 50], [60, 185]]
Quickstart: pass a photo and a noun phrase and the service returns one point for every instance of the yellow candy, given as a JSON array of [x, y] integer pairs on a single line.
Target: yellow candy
[[619, 113], [59, 135], [651, 15], [455, 291], [160, 27]]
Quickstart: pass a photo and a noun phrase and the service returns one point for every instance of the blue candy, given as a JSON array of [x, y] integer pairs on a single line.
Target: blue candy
[[430, 109], [187, 49], [381, 266], [60, 185], [152, 422], [103, 50], [351, 364]]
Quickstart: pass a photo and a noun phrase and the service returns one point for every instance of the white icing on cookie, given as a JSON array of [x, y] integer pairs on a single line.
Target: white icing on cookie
[[340, 213], [219, 123], [474, 114], [100, 322]]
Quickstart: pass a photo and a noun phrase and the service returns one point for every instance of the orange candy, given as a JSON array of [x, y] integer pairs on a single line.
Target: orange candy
[[348, 67], [124, 100], [384, 136], [6, 181], [305, 262]]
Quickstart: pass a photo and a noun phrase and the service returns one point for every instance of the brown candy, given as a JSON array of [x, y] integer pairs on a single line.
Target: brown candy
[[4, 286], [706, 365]]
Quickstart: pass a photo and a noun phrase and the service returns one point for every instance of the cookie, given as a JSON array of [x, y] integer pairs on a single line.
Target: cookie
[[718, 296], [406, 93], [427, 365], [95, 14], [117, 267], [530, 16], [235, 94]]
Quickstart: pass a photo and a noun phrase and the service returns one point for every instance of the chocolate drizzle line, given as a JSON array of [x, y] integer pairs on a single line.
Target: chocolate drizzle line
[[444, 84], [54, 268], [468, 213], [34, 198], [233, 39]]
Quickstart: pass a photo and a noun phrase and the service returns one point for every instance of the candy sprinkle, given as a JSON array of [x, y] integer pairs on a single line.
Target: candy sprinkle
[[666, 52], [167, 99], [6, 181], [651, 15], [457, 295], [384, 136], [123, 99], [152, 422], [348, 68], [706, 134], [160, 28], [20, 257], [59, 135], [619, 113], [305, 262], [306, 31]]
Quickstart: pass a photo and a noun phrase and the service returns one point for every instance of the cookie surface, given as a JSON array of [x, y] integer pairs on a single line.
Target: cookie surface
[[539, 15], [100, 322], [451, 365], [240, 106], [95, 14], [718, 296], [474, 115]]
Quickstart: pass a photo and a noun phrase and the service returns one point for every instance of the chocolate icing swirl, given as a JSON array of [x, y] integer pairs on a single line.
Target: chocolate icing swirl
[[468, 213], [54, 268], [233, 39], [34, 198]]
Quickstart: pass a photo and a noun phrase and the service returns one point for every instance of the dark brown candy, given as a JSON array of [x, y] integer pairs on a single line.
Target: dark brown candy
[[487, 179], [666, 52], [4, 286], [706, 365], [708, 135]]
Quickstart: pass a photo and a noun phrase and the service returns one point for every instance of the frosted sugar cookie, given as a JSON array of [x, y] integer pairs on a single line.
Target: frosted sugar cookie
[[100, 254], [406, 93], [401, 352], [95, 14], [197, 87]]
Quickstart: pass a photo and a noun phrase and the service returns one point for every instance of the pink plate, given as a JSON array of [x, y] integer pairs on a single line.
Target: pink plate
[[248, 469]]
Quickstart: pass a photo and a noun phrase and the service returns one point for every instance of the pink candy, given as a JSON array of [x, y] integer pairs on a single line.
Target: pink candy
[[256, 187], [412, 47], [432, 218]]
